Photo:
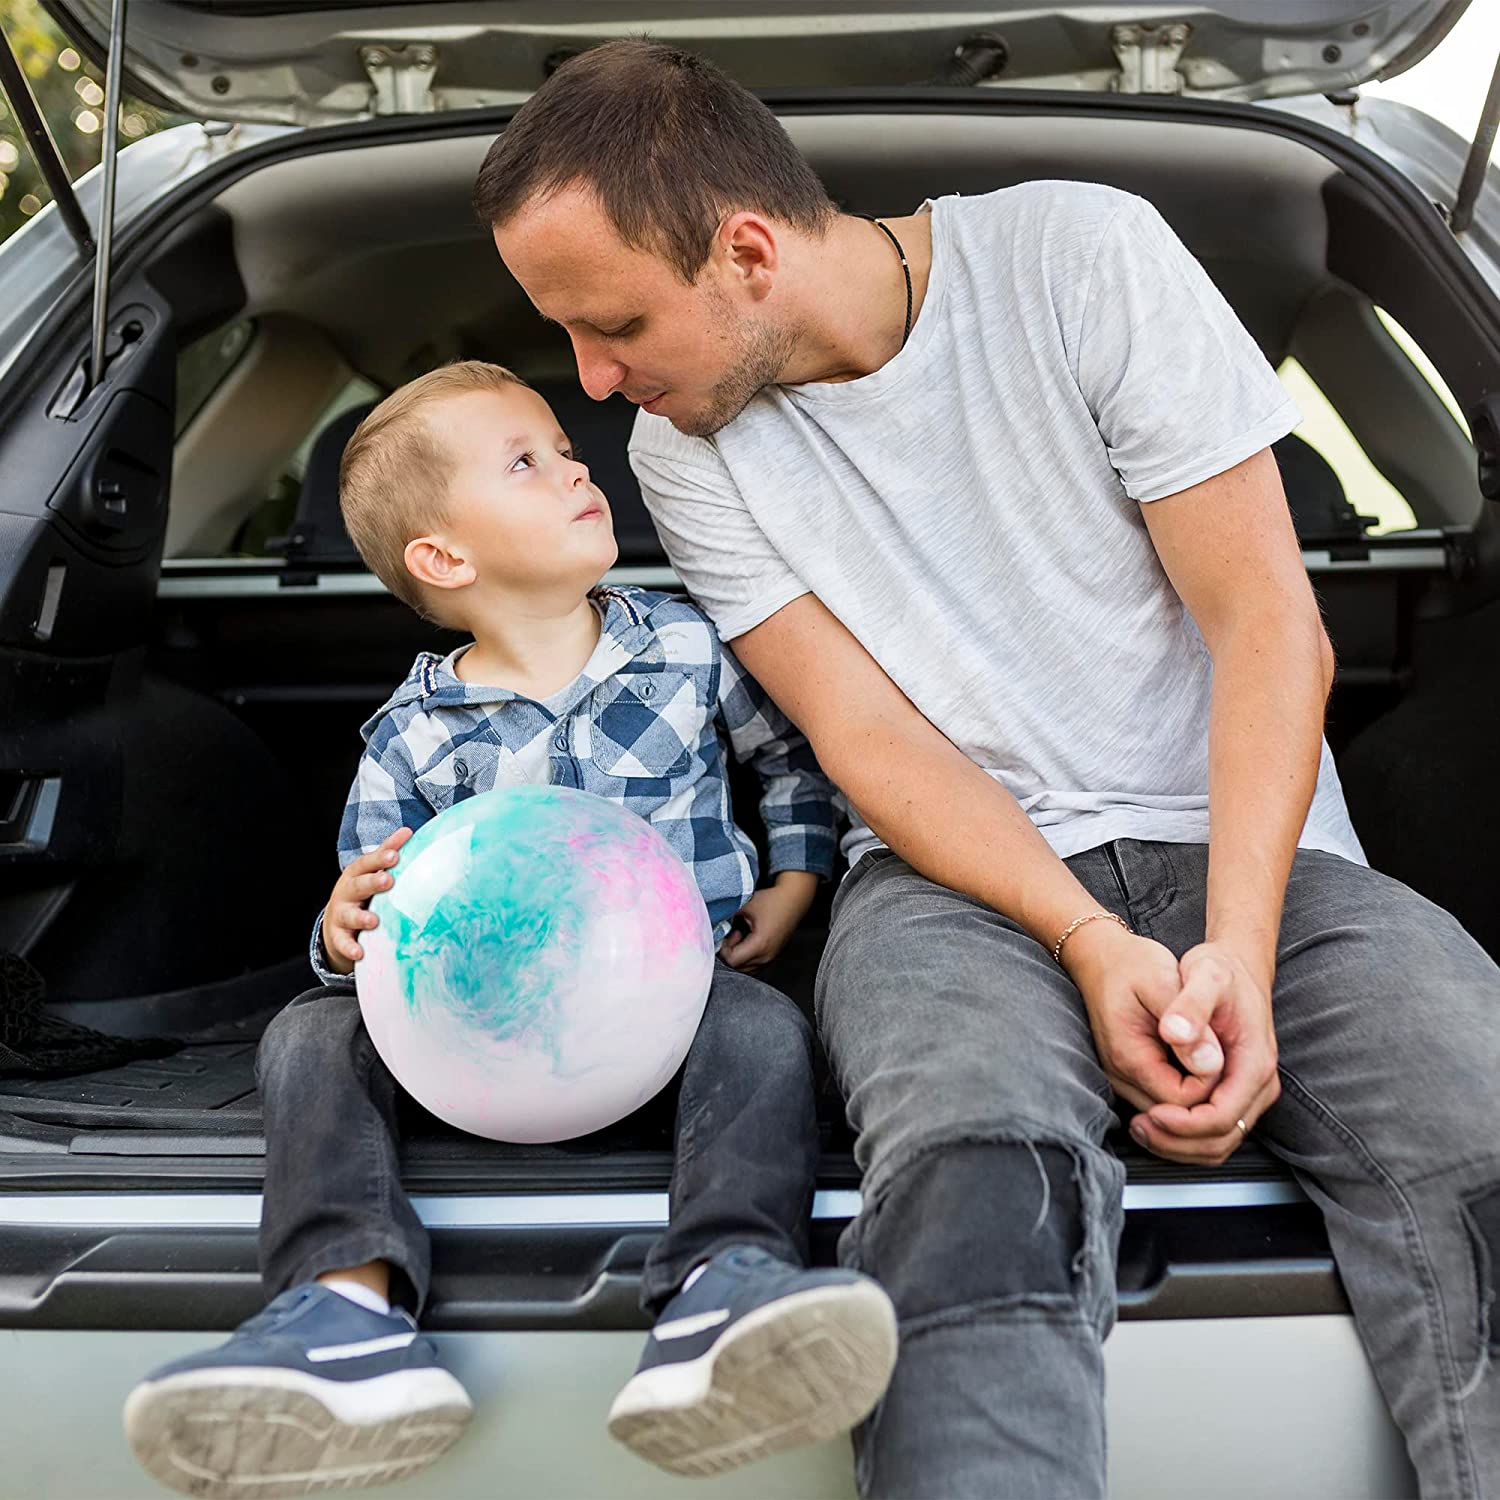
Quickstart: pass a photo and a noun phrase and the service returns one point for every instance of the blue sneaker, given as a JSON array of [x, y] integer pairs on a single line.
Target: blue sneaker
[[755, 1357], [314, 1393]]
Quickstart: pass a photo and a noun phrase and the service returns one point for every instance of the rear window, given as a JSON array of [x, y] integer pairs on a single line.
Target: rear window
[[203, 366], [1365, 487]]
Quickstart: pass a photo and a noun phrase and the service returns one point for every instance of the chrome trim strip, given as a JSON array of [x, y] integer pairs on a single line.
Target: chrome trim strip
[[1397, 560], [270, 586], [262, 585], [524, 1210]]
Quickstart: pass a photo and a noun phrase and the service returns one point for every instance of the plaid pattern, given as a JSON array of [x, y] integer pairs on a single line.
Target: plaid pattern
[[644, 724]]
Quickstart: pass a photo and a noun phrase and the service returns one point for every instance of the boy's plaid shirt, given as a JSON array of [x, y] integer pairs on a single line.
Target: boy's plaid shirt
[[640, 725]]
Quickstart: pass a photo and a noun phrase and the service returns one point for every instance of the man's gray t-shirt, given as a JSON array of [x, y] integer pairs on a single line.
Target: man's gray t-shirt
[[971, 511]]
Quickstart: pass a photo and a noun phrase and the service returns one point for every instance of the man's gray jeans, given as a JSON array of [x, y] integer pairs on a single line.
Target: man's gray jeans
[[992, 1210]]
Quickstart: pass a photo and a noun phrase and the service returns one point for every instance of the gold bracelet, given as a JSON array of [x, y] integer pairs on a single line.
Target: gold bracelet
[[1072, 927]]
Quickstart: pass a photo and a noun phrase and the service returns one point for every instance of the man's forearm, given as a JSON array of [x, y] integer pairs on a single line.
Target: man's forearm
[[1271, 681], [952, 822]]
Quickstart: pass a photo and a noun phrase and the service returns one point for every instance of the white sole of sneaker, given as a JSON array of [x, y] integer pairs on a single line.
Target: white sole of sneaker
[[228, 1433], [800, 1370]]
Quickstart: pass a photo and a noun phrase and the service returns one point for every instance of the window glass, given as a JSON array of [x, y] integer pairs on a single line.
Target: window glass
[[273, 517], [1365, 487], [203, 365], [1415, 354]]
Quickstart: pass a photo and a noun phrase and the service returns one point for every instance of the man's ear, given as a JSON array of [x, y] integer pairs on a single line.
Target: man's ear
[[750, 252], [431, 560]]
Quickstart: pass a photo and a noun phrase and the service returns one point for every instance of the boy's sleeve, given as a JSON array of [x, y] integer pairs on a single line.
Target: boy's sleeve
[[382, 799], [797, 800]]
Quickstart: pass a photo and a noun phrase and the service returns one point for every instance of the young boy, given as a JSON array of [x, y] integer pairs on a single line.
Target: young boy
[[464, 497]]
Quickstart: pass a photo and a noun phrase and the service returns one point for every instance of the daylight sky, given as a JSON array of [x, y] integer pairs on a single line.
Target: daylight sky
[[1450, 82]]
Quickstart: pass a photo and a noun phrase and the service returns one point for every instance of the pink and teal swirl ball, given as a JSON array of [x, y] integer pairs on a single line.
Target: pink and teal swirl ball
[[541, 964]]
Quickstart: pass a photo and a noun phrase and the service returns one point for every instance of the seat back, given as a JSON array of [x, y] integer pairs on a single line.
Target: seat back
[[1315, 493], [599, 430], [317, 537]]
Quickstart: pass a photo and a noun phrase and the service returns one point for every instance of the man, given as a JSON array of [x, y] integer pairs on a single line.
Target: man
[[982, 496]]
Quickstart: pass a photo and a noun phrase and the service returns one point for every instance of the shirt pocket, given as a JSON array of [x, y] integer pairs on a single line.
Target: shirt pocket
[[647, 724], [465, 768]]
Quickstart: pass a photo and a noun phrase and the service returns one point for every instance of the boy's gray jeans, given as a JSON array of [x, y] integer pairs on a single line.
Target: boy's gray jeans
[[992, 1211]]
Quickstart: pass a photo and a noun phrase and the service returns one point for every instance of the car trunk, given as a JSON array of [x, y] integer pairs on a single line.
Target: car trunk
[[235, 721], [217, 718]]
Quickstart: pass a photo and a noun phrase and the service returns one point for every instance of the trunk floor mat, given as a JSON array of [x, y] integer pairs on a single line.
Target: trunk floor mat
[[207, 1090]]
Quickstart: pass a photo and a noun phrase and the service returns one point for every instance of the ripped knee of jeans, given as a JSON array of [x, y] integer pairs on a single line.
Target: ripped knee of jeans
[[1482, 1215], [975, 1226]]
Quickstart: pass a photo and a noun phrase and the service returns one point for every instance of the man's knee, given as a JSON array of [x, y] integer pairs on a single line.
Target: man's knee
[[1001, 1223]]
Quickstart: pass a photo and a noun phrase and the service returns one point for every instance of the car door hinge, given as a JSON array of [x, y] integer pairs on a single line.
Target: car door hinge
[[1148, 58], [401, 77]]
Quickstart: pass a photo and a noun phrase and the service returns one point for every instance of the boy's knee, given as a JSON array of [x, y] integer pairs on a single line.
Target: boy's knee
[[997, 1223], [322, 1018], [755, 1022]]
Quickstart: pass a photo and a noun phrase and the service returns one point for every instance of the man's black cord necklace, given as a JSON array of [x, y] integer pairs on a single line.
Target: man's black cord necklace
[[886, 230]]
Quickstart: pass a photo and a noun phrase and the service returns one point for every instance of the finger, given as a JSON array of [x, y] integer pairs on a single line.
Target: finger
[[1144, 1064], [1197, 1151], [384, 857], [355, 918], [753, 950], [1206, 1150], [346, 945], [365, 864], [363, 887], [1131, 1094], [1251, 1070], [1184, 1025], [1200, 1051]]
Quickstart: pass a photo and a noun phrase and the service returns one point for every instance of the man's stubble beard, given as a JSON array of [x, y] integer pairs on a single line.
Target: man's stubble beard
[[759, 352]]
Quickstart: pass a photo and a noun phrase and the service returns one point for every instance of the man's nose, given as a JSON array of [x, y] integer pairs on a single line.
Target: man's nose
[[599, 375]]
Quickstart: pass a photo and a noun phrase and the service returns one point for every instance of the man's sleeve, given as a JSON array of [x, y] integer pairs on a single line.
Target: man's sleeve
[[382, 799], [724, 559], [1180, 390], [797, 802]]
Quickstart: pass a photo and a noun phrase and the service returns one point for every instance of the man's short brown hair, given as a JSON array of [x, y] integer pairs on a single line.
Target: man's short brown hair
[[393, 478], [667, 142]]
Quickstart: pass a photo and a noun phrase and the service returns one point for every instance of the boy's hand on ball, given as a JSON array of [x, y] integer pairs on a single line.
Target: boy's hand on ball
[[764, 923], [347, 913]]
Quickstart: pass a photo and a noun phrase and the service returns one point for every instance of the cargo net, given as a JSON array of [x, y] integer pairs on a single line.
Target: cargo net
[[37, 1044]]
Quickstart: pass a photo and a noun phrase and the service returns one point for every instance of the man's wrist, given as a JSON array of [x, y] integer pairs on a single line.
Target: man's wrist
[[1253, 945], [1091, 942]]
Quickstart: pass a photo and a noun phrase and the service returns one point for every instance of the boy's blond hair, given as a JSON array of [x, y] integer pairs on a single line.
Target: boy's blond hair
[[393, 478]]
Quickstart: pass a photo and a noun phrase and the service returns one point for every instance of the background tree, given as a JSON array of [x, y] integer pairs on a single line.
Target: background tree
[[70, 91]]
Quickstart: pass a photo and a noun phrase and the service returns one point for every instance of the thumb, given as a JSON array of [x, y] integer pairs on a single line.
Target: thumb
[[1184, 1025]]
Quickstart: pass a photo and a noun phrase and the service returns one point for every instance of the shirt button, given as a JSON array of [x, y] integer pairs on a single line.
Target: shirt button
[[561, 742], [647, 689], [460, 769]]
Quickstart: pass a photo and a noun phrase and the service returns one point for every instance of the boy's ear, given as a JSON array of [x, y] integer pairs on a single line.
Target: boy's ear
[[430, 560]]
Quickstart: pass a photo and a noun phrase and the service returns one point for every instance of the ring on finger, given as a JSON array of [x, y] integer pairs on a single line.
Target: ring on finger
[[1244, 1128]]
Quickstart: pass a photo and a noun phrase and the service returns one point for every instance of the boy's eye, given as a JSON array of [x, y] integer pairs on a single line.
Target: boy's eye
[[621, 331], [527, 459], [574, 455]]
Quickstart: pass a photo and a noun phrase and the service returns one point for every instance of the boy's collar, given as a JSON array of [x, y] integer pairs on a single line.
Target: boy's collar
[[624, 632]]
